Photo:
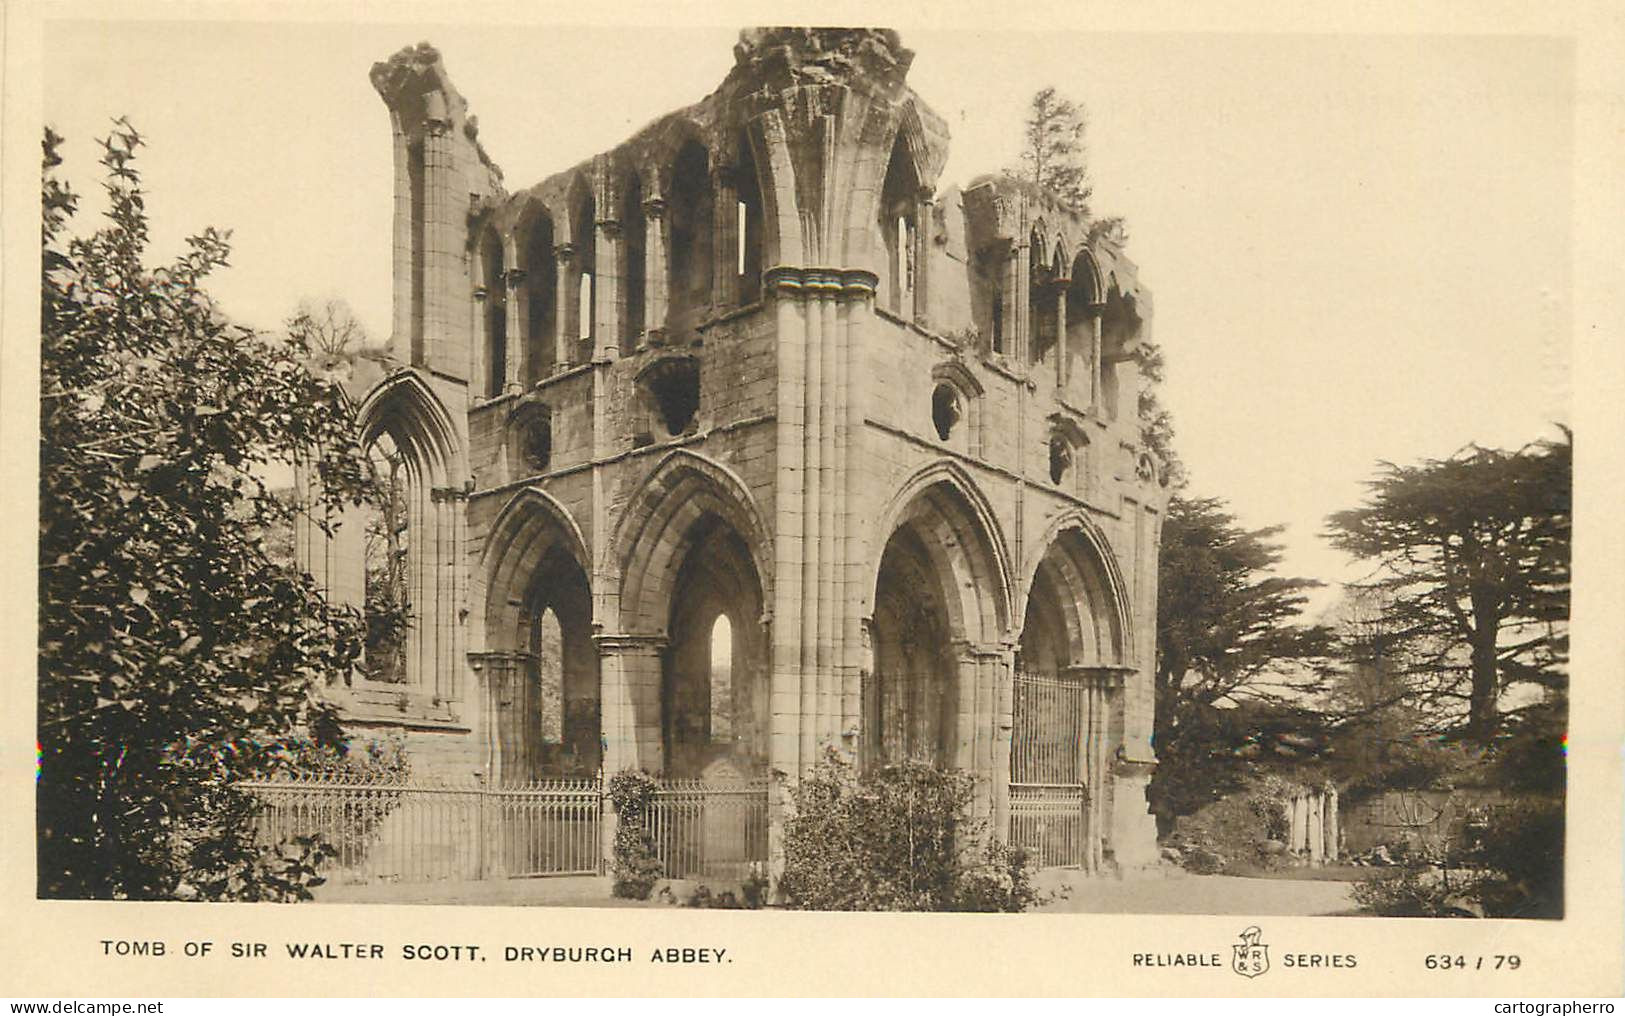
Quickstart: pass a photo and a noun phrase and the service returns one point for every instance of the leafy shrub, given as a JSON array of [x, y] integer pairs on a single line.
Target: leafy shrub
[[702, 898], [1523, 842], [754, 889], [1423, 892], [636, 868], [894, 839], [1508, 863], [1201, 860]]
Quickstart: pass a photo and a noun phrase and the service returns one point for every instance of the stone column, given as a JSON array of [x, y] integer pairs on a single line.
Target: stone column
[[566, 308], [654, 271], [1317, 829], [1094, 362], [514, 372], [629, 666], [1300, 824], [724, 239], [1062, 367], [501, 708], [1332, 845], [1024, 301], [442, 222], [1015, 302], [629, 713], [924, 218], [606, 326], [1004, 721]]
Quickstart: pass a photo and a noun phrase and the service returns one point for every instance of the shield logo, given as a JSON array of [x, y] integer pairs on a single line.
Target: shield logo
[[1252, 957]]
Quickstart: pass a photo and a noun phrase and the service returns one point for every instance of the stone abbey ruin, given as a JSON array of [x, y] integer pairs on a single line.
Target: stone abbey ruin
[[745, 440]]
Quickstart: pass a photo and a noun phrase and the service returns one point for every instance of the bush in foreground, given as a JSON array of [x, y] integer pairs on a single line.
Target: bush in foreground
[[895, 838]]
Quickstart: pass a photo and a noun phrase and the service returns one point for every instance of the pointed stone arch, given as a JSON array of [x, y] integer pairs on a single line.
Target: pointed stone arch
[[404, 405], [943, 501], [661, 523], [1074, 557]]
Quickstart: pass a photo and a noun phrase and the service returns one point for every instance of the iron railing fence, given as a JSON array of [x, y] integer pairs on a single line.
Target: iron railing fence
[[1049, 823], [419, 830], [716, 829]]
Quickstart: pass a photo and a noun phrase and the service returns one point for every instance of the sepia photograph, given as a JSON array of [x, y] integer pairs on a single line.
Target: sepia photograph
[[779, 467]]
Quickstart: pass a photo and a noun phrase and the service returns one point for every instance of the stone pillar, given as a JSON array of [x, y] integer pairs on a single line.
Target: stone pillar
[[1018, 302], [502, 706], [606, 326], [445, 222], [629, 712], [1332, 845], [1300, 824], [1062, 367], [514, 371], [724, 239], [1094, 362], [924, 219], [1004, 721], [654, 271], [566, 307], [1317, 829], [1007, 299]]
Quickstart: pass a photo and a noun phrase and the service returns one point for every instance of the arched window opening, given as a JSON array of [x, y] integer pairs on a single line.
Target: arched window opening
[[1082, 316], [494, 282], [714, 701], [387, 608], [586, 263], [1043, 303], [689, 264], [633, 245], [550, 677], [749, 262], [541, 286], [998, 323], [722, 704], [554, 718], [945, 410], [899, 200]]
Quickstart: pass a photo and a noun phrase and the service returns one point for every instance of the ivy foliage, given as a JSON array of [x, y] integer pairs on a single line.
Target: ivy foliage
[[176, 655], [635, 869]]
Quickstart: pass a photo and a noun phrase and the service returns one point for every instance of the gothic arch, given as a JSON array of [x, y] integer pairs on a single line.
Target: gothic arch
[[661, 523], [961, 533], [530, 526], [782, 242], [1074, 558], [882, 140], [404, 406]]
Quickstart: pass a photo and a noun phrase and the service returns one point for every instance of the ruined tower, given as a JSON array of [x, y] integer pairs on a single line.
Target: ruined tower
[[746, 440]]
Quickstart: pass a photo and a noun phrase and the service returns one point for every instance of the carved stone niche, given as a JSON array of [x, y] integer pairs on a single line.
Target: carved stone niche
[[530, 437], [668, 399]]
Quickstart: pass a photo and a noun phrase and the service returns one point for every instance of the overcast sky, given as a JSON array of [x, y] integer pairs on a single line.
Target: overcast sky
[[1359, 247]]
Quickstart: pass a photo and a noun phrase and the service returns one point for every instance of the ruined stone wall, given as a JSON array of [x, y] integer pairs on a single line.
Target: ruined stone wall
[[872, 369]]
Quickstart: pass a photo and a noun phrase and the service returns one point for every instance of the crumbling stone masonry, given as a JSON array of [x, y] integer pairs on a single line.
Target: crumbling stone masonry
[[744, 440]]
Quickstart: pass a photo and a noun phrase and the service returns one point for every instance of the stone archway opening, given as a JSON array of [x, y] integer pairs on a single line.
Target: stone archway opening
[[1066, 709], [912, 699], [560, 712], [714, 703]]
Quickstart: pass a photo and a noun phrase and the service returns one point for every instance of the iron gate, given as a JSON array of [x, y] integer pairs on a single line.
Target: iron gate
[[1049, 771]]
